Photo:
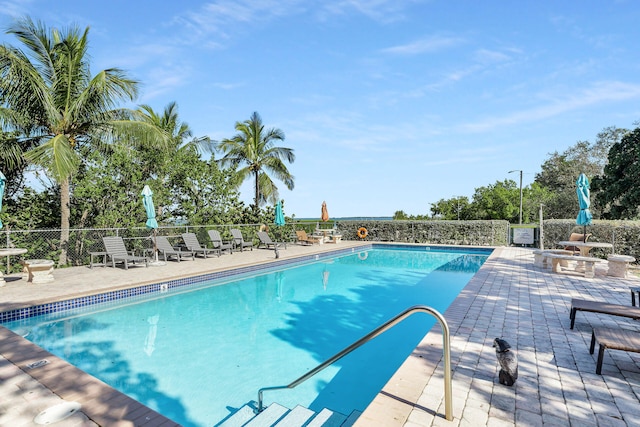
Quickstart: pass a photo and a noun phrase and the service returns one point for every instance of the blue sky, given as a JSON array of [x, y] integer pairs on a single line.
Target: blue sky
[[389, 104]]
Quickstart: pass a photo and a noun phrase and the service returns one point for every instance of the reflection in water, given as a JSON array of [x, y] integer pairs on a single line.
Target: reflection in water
[[150, 340]]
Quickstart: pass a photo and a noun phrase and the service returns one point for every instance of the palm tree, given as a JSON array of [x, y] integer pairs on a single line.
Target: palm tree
[[48, 96], [252, 153], [179, 134], [159, 159]]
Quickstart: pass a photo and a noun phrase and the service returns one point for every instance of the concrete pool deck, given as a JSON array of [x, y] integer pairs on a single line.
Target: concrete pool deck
[[508, 298]]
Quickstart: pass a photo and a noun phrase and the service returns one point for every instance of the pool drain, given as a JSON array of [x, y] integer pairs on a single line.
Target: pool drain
[[57, 413], [37, 364]]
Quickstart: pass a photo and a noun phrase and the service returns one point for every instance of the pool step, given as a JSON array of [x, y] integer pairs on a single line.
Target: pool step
[[276, 415]]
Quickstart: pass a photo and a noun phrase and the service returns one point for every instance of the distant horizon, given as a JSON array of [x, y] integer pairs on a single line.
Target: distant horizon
[[346, 218]]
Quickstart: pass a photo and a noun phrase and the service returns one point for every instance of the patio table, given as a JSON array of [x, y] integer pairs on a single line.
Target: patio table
[[8, 252], [585, 247]]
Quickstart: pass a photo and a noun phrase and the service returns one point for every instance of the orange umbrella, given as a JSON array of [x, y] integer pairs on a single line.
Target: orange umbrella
[[325, 213]]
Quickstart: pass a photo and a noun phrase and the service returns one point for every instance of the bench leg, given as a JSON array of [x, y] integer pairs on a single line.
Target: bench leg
[[593, 342], [633, 298], [600, 358], [589, 269], [572, 316], [555, 265]]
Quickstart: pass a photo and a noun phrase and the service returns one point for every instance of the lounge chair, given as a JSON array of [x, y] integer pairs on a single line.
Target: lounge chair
[[304, 239], [613, 339], [238, 240], [603, 308], [117, 251], [577, 237], [218, 243], [265, 240], [167, 251], [192, 243]]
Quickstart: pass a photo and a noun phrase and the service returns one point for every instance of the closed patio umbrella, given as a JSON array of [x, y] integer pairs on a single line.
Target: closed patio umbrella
[[147, 201], [279, 221], [584, 216], [279, 215], [3, 183], [325, 213]]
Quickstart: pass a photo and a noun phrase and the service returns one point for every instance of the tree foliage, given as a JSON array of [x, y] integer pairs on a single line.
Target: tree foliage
[[561, 170], [451, 209], [54, 104], [617, 188]]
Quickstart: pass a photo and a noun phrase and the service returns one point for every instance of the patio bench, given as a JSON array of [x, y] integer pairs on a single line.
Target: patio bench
[[619, 265], [587, 261], [540, 257], [613, 339], [634, 290]]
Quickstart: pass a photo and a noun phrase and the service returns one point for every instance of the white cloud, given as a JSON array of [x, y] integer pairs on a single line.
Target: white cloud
[[426, 45], [384, 11], [16, 8], [164, 80], [598, 93]]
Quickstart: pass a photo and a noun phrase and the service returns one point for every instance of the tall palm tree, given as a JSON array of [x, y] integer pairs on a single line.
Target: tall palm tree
[[179, 134], [160, 158], [252, 153], [48, 95]]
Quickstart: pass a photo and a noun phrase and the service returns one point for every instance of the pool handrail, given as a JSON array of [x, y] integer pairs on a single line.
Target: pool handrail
[[446, 354]]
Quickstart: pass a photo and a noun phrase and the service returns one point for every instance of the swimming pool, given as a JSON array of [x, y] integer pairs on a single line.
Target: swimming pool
[[195, 356]]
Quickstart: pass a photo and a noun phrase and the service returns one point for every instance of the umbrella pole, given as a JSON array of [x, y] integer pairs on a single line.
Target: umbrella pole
[[584, 234], [155, 243]]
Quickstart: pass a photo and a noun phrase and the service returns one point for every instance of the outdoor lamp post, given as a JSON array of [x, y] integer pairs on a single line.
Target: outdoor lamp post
[[518, 170]]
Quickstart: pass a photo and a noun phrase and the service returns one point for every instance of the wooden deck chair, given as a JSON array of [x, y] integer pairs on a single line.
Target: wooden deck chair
[[238, 240], [304, 239], [577, 237], [117, 251], [218, 243], [192, 243]]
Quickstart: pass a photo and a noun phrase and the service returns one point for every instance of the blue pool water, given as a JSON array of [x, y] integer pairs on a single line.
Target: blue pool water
[[197, 355]]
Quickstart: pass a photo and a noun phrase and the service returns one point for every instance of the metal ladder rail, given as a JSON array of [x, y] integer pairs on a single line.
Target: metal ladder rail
[[446, 353]]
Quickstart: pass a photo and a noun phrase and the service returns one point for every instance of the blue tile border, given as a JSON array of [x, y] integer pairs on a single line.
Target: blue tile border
[[143, 291]]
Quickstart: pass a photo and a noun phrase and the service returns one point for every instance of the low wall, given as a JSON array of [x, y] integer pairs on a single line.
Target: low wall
[[476, 233]]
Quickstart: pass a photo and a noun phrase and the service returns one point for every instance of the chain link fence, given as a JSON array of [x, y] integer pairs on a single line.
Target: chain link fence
[[45, 244]]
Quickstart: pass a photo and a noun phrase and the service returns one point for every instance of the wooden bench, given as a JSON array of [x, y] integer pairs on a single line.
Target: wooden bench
[[587, 261], [613, 339], [619, 265], [602, 308], [634, 290]]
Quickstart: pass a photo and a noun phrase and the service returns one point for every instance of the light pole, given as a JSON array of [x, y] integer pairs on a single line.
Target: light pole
[[518, 170]]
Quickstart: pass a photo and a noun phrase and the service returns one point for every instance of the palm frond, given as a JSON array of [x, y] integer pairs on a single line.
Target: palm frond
[[57, 156]]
